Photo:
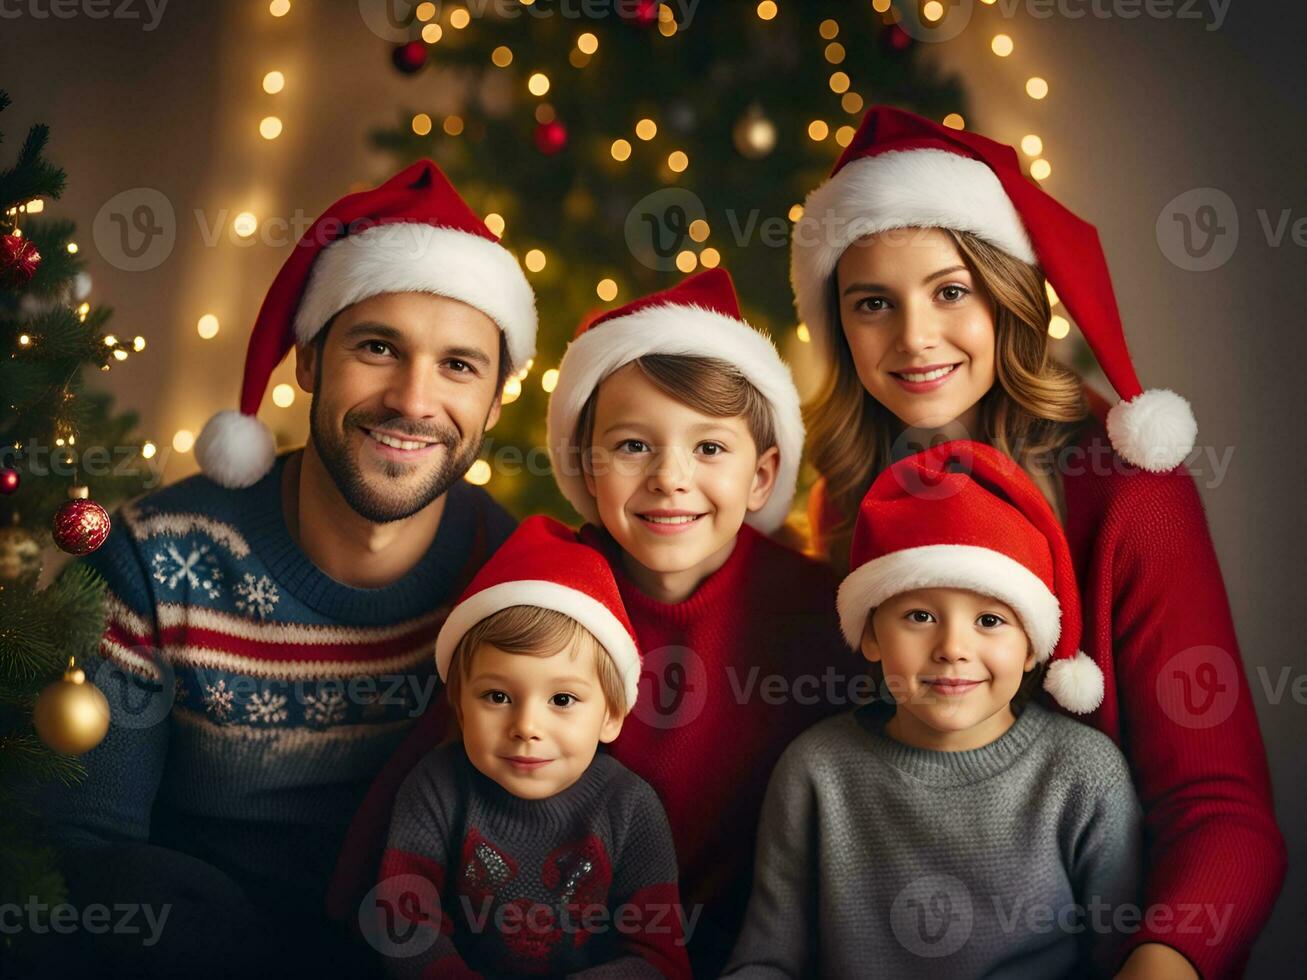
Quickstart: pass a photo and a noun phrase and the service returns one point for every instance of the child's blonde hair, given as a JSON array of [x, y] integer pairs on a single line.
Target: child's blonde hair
[[533, 631], [709, 385]]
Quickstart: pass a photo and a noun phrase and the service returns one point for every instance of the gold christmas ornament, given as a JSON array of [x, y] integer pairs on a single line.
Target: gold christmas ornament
[[71, 715], [20, 556]]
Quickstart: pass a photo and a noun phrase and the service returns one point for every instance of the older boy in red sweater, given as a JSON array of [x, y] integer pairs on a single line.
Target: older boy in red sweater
[[675, 431]]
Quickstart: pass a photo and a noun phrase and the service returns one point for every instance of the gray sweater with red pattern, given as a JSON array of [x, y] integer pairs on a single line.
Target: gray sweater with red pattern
[[475, 881]]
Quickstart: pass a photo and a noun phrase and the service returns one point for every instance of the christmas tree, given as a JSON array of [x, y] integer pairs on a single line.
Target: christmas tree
[[59, 446], [616, 154]]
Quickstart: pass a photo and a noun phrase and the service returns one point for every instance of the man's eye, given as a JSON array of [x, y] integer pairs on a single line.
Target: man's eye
[[372, 345], [460, 366]]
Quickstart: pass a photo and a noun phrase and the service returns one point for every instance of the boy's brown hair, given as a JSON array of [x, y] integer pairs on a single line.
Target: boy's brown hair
[[532, 631], [706, 384]]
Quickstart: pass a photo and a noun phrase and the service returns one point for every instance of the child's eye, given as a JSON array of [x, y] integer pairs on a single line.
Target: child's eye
[[496, 697], [952, 293], [711, 448], [920, 616], [563, 700], [990, 620], [632, 446]]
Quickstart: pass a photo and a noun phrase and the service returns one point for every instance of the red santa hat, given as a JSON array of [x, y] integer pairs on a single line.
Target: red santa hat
[[544, 564], [412, 234], [700, 317], [904, 171], [963, 515]]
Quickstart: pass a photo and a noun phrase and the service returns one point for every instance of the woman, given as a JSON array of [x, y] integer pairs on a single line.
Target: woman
[[920, 267]]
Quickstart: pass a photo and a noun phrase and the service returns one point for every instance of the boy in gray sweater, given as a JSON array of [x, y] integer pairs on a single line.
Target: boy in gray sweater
[[954, 827]]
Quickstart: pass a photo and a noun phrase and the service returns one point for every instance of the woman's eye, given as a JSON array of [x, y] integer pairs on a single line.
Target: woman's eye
[[631, 446], [951, 294], [563, 700], [990, 620], [920, 616], [872, 304]]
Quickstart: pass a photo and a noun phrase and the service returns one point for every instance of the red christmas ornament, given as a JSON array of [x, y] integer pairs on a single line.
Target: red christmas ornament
[[18, 261], [895, 39], [644, 15], [8, 481], [409, 58], [80, 525], [551, 137]]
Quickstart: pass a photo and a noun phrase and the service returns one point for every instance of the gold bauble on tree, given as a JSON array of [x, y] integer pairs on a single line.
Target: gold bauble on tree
[[72, 714]]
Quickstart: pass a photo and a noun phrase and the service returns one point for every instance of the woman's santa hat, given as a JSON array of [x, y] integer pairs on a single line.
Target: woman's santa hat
[[963, 515], [903, 171], [544, 564], [700, 317], [412, 234]]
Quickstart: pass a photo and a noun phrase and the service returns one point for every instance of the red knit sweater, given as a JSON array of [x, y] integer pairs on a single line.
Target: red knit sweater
[[731, 675], [1157, 621]]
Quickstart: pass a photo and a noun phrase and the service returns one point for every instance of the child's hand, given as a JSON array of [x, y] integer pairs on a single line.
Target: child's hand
[[1155, 961]]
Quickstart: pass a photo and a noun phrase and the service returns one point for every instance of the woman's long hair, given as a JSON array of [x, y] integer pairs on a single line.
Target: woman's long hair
[[1033, 410]]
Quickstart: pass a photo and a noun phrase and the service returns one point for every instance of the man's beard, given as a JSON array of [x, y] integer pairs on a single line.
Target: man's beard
[[334, 450]]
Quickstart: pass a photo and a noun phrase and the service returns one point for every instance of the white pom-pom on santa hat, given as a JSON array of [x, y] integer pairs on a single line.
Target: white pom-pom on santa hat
[[235, 450], [1076, 683], [1155, 430]]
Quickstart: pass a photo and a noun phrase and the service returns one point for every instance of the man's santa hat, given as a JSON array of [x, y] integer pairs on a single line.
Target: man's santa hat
[[963, 515], [903, 171], [412, 234], [544, 564], [700, 317]]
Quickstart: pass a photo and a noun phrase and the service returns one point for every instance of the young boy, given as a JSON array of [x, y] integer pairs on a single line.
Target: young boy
[[521, 849], [958, 829], [675, 431]]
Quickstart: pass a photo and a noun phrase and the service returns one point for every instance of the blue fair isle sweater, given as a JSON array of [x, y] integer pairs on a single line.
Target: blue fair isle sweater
[[253, 697]]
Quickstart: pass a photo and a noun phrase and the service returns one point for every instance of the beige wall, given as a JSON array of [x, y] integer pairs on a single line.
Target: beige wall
[[1139, 111]]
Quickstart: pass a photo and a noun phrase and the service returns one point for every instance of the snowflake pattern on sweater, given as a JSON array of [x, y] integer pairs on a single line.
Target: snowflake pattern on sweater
[[253, 697]]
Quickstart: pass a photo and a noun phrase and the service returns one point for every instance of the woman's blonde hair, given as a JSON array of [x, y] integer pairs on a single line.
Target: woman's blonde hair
[[1033, 410], [537, 632]]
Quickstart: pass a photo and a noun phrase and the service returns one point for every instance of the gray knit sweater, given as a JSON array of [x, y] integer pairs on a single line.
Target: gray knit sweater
[[877, 859]]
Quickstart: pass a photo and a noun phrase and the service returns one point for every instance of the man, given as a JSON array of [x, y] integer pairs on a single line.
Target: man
[[271, 623]]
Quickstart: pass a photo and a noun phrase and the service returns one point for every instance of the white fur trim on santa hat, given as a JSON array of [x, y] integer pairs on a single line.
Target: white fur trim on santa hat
[[412, 257], [925, 188], [1155, 430], [689, 331], [235, 450], [585, 609], [1076, 683], [951, 566]]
